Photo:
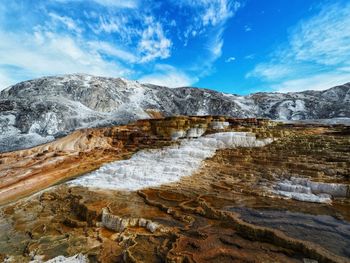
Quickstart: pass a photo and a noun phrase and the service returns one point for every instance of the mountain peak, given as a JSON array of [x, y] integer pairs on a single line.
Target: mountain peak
[[35, 111]]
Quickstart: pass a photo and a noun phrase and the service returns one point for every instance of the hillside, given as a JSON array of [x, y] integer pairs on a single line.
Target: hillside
[[37, 111]]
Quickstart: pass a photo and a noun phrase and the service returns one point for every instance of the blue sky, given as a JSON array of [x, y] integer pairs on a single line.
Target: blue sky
[[234, 46]]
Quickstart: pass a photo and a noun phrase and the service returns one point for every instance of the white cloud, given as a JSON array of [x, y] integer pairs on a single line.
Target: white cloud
[[47, 53], [230, 59], [214, 12], [108, 49], [316, 56], [216, 47], [270, 71], [110, 24], [169, 76], [59, 45], [154, 44], [142, 44], [118, 3], [67, 21], [325, 38], [122, 39], [247, 28], [209, 18], [250, 56], [5, 80], [108, 3], [121, 24], [316, 82]]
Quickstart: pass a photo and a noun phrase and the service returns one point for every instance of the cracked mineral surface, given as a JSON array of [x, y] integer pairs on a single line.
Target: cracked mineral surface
[[236, 204]]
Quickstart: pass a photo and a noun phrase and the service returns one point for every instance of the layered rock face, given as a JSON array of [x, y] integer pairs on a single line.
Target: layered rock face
[[225, 210], [37, 111], [26, 171]]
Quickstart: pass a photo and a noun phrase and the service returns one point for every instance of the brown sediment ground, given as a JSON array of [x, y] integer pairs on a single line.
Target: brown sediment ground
[[223, 213]]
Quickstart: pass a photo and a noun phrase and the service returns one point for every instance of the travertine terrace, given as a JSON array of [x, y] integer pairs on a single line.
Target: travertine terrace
[[27, 171], [229, 210]]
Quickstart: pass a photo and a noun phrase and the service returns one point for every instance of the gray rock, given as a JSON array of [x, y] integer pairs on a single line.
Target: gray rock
[[37, 111]]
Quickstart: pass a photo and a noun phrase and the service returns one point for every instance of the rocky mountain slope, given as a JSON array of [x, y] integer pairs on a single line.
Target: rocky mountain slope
[[37, 111]]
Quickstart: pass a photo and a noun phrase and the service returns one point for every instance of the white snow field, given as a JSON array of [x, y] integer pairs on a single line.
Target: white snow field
[[150, 168]]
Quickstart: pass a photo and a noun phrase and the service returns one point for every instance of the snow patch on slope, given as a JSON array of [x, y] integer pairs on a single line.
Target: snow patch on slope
[[54, 106], [291, 109], [149, 168], [10, 136]]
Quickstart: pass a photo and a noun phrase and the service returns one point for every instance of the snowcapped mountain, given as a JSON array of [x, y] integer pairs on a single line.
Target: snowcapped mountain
[[37, 111]]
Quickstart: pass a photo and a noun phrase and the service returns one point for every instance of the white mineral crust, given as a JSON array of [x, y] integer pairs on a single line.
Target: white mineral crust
[[155, 167]]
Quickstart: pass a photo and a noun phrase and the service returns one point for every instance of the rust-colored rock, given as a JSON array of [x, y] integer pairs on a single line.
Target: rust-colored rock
[[223, 213]]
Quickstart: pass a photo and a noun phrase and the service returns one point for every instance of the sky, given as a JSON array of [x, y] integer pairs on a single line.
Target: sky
[[233, 46]]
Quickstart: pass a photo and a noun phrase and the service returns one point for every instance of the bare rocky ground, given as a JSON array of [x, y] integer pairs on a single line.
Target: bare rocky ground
[[38, 111], [227, 211]]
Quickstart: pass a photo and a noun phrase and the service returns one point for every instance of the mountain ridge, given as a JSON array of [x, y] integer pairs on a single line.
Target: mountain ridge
[[36, 111]]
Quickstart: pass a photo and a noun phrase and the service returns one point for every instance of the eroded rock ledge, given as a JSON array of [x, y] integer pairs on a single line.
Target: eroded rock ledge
[[28, 171], [225, 212]]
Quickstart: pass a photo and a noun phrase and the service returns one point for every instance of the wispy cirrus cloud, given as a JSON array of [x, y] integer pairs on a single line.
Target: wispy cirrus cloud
[[316, 56], [128, 38], [105, 48], [209, 17], [119, 4], [169, 76], [66, 21], [46, 53], [107, 3], [153, 43], [270, 71], [313, 82], [210, 12]]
